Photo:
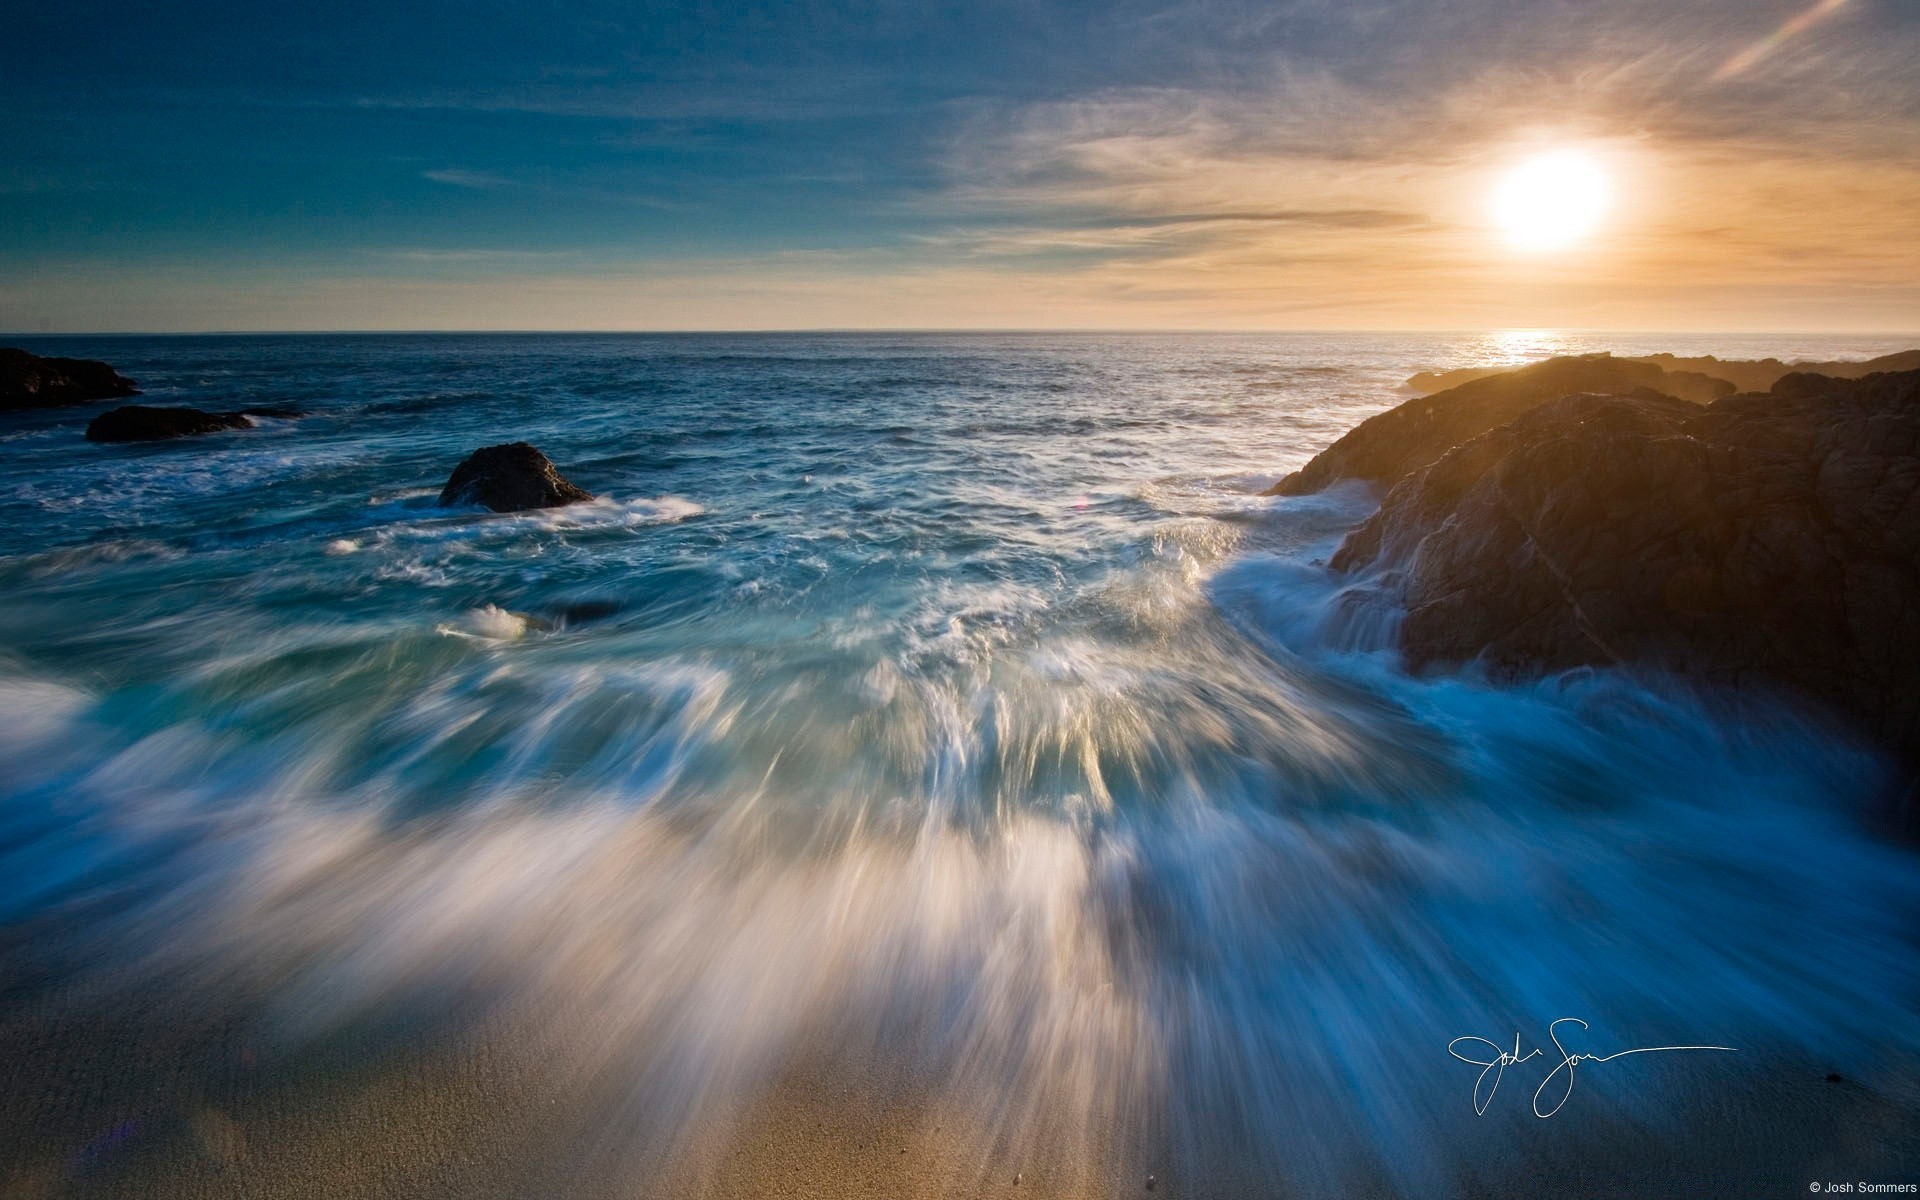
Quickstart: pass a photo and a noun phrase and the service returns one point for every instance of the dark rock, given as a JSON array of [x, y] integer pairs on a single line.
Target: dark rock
[[140, 423], [1764, 539], [510, 478], [277, 413], [1430, 496], [1762, 374], [1385, 448], [30, 381], [1695, 386], [582, 612]]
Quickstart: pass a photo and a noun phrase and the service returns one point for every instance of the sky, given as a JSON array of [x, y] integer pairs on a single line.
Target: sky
[[1216, 164]]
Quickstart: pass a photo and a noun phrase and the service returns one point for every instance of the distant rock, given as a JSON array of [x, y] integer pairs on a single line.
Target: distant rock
[[140, 423], [1746, 375], [30, 381], [1761, 374], [1385, 448], [1766, 539], [510, 478]]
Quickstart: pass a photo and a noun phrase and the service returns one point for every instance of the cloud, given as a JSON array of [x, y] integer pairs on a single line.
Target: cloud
[[477, 180], [1163, 162], [1358, 177], [487, 257], [1169, 233]]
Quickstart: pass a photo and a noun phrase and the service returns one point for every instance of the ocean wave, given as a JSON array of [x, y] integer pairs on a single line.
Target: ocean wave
[[1267, 987]]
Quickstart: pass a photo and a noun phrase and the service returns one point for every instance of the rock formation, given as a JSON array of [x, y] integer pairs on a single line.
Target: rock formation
[[510, 478], [1769, 539], [141, 423], [1384, 448], [1746, 375], [1761, 374], [30, 381]]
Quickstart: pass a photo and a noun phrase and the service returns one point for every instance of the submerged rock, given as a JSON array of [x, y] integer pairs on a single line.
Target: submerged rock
[[31, 381], [1765, 539], [586, 611], [141, 423], [1385, 448], [510, 478]]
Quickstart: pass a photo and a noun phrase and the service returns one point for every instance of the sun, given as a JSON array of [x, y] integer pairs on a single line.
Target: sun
[[1551, 201]]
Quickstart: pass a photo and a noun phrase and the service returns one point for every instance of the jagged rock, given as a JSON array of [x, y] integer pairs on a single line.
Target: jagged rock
[[30, 381], [141, 423], [1385, 448], [1765, 539], [1429, 497], [510, 478]]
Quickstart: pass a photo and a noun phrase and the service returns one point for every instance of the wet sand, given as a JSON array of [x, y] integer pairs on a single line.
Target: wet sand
[[114, 1105]]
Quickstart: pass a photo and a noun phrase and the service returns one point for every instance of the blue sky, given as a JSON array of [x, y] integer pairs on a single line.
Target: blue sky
[[1212, 164]]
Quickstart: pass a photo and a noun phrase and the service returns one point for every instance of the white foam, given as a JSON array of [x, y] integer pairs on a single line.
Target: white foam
[[489, 623], [606, 511], [33, 710]]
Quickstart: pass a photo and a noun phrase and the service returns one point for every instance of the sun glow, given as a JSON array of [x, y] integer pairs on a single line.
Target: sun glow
[[1551, 201]]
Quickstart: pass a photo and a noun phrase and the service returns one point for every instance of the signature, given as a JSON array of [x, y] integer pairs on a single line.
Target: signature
[[1558, 1085]]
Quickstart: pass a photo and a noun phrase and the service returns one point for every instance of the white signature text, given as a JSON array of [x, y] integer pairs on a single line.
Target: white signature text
[[1552, 1094]]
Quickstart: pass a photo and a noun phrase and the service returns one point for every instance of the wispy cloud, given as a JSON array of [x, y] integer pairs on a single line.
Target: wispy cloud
[[1169, 233], [459, 177], [481, 257], [1361, 179]]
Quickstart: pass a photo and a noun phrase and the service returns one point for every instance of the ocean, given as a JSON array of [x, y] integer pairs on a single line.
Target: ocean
[[944, 716]]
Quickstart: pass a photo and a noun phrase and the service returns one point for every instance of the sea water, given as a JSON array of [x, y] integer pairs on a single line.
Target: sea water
[[944, 709]]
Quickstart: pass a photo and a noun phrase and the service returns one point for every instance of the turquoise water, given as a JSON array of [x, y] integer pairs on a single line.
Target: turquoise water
[[951, 704]]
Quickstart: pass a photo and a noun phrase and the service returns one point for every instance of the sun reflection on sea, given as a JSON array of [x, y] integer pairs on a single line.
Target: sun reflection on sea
[[1525, 345]]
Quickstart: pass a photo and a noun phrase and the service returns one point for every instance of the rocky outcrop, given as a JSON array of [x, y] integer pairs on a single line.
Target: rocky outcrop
[[1746, 375], [30, 381], [1765, 539], [510, 478], [141, 423], [1758, 375], [1385, 448]]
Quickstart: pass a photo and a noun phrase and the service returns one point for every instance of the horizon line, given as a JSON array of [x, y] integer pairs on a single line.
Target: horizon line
[[837, 330]]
